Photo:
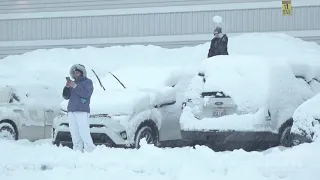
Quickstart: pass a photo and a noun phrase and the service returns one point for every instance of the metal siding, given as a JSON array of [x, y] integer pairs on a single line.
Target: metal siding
[[181, 23], [20, 6]]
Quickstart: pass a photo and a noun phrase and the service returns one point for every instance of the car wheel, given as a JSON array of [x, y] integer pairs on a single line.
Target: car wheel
[[7, 132], [286, 138], [147, 133]]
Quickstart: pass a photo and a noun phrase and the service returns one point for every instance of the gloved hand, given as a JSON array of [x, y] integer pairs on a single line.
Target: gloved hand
[[68, 84]]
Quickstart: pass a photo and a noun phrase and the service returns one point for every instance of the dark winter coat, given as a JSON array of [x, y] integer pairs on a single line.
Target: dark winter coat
[[79, 97], [219, 46]]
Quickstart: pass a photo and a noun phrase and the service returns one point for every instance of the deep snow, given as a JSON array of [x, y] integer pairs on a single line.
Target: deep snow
[[41, 160], [48, 68]]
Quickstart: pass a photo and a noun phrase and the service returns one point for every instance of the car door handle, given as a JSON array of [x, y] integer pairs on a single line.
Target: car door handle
[[49, 110]]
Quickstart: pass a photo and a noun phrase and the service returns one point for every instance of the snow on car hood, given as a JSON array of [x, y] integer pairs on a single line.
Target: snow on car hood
[[306, 118], [127, 101]]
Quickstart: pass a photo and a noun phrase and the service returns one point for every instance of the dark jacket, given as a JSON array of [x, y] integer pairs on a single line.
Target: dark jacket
[[79, 97], [219, 46]]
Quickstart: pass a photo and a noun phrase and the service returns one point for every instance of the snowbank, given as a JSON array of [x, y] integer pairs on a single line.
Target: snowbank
[[254, 83], [48, 68], [302, 55], [307, 119], [152, 163]]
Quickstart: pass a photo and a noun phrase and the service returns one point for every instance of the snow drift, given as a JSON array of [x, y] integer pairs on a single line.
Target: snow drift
[[48, 68], [152, 163]]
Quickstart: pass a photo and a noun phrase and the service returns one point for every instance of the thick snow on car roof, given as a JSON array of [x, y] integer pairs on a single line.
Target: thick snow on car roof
[[251, 81], [255, 85]]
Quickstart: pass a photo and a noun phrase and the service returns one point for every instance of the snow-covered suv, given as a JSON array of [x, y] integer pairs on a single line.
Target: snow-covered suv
[[121, 117], [240, 101], [23, 114]]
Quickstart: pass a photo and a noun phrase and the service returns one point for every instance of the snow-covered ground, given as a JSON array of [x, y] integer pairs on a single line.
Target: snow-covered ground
[[48, 68], [41, 161]]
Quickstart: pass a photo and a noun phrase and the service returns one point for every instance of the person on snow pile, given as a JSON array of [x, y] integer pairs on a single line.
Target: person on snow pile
[[219, 44], [79, 93]]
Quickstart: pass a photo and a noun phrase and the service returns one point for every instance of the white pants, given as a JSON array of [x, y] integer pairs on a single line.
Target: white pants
[[80, 131]]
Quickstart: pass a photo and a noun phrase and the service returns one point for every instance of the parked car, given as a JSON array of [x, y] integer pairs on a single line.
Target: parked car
[[306, 126], [242, 102], [20, 120], [122, 117]]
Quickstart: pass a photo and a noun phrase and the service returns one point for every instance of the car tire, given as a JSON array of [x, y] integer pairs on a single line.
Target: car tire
[[7, 131], [286, 138], [148, 133]]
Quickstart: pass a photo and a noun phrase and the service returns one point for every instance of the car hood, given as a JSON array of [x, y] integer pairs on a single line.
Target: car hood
[[127, 101]]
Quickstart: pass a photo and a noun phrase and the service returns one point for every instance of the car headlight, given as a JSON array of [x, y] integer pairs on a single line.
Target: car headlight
[[61, 113]]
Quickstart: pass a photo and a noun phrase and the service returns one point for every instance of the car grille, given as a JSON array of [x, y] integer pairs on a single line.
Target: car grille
[[91, 125], [98, 139]]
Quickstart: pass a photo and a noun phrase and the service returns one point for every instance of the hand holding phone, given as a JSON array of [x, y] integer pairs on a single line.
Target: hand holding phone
[[68, 81]]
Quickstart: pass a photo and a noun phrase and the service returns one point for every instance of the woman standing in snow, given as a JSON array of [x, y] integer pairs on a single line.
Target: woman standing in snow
[[79, 93]]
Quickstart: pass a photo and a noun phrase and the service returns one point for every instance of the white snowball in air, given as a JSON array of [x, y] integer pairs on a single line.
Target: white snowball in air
[[217, 19]]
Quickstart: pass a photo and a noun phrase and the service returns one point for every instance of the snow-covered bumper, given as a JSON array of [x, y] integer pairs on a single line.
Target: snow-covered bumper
[[305, 131], [104, 130], [228, 128]]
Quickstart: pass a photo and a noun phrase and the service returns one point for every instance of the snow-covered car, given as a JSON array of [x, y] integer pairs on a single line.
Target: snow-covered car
[[21, 118], [241, 100], [148, 108], [306, 127]]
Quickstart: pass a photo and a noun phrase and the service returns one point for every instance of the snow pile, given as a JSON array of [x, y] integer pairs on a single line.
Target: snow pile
[[307, 119], [152, 163], [48, 68], [253, 83], [302, 55], [146, 87]]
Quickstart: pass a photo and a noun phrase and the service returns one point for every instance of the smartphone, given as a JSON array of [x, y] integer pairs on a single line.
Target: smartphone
[[68, 79]]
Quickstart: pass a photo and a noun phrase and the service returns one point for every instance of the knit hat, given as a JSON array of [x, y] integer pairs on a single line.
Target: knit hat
[[217, 30]]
